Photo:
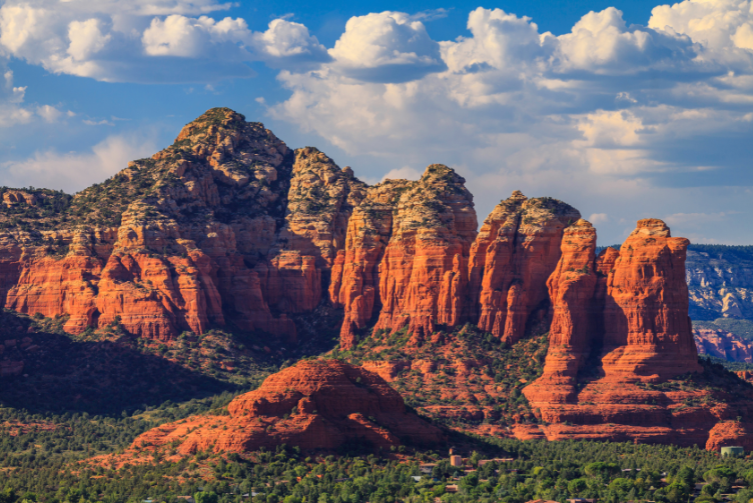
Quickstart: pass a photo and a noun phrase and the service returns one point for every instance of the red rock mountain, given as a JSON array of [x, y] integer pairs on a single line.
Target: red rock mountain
[[517, 249], [225, 225], [230, 226], [316, 404], [406, 256]]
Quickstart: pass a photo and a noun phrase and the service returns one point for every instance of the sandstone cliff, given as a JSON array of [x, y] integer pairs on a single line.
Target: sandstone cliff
[[316, 404], [517, 249], [422, 249], [723, 344]]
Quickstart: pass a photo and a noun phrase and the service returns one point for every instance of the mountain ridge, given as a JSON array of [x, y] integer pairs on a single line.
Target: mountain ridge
[[228, 227]]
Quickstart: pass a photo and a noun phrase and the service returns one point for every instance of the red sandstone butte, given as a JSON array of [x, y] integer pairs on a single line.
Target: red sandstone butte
[[639, 334], [517, 248], [355, 273], [648, 333], [406, 255], [316, 404], [423, 274]]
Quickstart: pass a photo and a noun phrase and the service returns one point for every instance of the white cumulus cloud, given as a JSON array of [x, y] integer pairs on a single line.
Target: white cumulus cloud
[[617, 112], [75, 171], [149, 41], [386, 47]]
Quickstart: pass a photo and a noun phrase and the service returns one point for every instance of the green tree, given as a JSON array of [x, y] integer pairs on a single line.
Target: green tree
[[577, 486], [206, 497]]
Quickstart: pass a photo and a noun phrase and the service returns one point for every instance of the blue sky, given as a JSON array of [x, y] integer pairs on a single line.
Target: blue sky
[[625, 110]]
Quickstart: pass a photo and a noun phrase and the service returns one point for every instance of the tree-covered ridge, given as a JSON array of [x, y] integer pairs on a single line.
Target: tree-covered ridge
[[738, 255], [32, 208]]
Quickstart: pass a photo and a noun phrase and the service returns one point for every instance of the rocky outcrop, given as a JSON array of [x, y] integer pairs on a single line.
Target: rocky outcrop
[[647, 328], [355, 274], [316, 404], [55, 287], [517, 249], [642, 378], [423, 271], [407, 254], [574, 324], [226, 224]]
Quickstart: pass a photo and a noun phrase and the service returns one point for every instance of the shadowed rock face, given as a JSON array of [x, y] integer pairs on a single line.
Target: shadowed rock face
[[318, 404], [571, 286]]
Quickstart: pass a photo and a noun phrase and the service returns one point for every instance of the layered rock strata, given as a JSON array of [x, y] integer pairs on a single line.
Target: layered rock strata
[[316, 404], [571, 286], [723, 344], [517, 249], [420, 233]]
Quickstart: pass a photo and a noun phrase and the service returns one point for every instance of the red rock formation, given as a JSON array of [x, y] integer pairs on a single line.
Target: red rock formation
[[571, 289], [320, 201], [730, 433], [645, 339], [316, 404], [57, 287], [422, 276], [355, 274], [157, 297], [517, 249], [648, 333], [723, 344], [225, 224]]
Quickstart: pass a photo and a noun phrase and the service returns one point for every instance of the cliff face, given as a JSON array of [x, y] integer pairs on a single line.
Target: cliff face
[[647, 328], [517, 249], [720, 282], [723, 344], [422, 276], [316, 404], [574, 326], [355, 274]]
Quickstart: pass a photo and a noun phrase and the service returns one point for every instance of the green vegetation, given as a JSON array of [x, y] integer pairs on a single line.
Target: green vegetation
[[731, 366], [38, 465], [30, 209], [464, 364]]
